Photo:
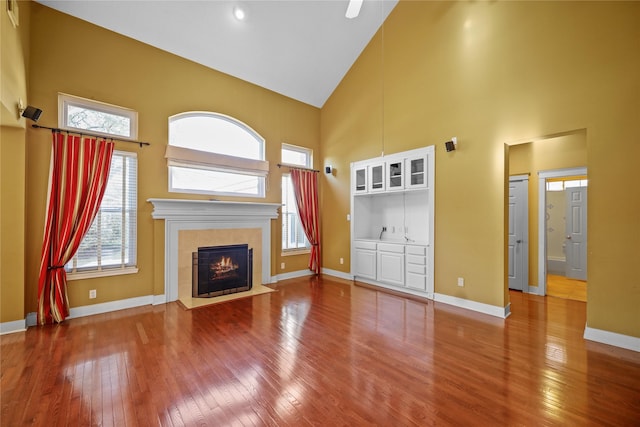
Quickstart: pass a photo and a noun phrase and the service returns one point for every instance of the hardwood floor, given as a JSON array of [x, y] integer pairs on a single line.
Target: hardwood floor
[[320, 352], [563, 287]]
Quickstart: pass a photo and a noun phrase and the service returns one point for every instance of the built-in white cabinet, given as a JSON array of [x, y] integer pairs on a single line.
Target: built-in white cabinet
[[376, 171], [392, 220], [416, 267], [368, 178], [395, 174], [417, 176], [359, 179], [391, 263], [364, 259]]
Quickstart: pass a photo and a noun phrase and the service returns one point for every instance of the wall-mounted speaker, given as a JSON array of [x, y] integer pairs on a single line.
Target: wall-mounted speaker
[[32, 113], [449, 146]]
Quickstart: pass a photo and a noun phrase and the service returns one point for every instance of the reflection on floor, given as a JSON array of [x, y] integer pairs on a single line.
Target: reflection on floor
[[560, 286]]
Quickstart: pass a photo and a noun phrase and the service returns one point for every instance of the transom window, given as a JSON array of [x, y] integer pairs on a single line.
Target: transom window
[[562, 185], [81, 114], [294, 239], [210, 153]]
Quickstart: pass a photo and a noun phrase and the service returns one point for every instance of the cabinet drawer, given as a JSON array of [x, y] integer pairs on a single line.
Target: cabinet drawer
[[365, 245], [387, 247], [417, 250], [415, 259], [416, 281], [417, 269]]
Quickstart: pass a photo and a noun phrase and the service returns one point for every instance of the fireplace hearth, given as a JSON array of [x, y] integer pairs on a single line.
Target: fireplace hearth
[[222, 270]]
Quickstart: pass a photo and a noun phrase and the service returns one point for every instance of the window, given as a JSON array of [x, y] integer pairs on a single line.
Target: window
[[78, 114], [561, 185], [293, 237], [109, 247], [210, 153]]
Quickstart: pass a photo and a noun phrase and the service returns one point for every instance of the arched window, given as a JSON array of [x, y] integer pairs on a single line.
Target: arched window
[[210, 153]]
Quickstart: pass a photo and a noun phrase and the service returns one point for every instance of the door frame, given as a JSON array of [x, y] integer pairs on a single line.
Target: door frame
[[542, 221]]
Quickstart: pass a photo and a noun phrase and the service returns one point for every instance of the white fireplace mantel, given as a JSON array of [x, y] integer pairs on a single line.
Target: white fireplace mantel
[[182, 214]]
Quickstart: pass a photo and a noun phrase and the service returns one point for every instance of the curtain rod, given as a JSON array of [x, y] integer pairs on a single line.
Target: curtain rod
[[297, 167], [140, 143]]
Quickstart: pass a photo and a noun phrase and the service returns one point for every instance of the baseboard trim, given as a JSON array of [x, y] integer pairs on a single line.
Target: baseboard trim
[[13, 327], [492, 310], [291, 275], [160, 299], [106, 307], [612, 338], [336, 273]]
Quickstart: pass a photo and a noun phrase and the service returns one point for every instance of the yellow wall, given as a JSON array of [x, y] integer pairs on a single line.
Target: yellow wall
[[84, 60], [14, 64], [561, 152], [492, 73]]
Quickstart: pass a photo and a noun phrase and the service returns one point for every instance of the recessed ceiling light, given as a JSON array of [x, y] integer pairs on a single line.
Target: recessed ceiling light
[[239, 13]]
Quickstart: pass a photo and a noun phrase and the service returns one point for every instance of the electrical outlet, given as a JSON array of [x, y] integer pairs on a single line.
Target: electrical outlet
[[461, 281], [282, 265], [92, 294], [348, 217], [341, 260]]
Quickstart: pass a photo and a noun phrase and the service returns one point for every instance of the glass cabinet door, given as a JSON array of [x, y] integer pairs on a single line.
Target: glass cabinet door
[[377, 178], [395, 175], [417, 172], [360, 180]]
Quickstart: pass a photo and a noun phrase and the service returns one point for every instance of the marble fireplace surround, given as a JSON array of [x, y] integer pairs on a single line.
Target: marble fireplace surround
[[181, 215]]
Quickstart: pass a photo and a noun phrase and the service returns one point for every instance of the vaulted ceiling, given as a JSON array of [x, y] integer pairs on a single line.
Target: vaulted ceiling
[[301, 48]]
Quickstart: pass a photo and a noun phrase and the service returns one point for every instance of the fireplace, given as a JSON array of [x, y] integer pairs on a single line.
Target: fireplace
[[221, 270], [190, 224]]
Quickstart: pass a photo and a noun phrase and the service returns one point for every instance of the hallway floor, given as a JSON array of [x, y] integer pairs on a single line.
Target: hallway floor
[[562, 287]]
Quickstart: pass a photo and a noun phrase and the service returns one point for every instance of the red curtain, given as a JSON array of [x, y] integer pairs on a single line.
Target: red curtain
[[305, 187], [77, 181]]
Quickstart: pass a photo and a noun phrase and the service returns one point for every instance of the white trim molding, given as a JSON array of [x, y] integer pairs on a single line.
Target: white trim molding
[[338, 274], [159, 299], [182, 214], [612, 338], [541, 288], [291, 275], [492, 310], [12, 327], [107, 307]]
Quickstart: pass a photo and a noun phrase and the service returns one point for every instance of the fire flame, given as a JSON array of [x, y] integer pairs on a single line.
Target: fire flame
[[227, 263]]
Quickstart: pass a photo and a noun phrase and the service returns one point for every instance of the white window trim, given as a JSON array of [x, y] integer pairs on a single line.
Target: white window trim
[[190, 158], [116, 271], [299, 149], [295, 251], [64, 100], [309, 153]]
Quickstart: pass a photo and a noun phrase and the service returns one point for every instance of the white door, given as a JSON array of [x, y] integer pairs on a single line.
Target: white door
[[518, 234], [576, 233]]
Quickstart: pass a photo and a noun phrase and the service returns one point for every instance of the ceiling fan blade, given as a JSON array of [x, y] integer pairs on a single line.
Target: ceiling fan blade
[[353, 10]]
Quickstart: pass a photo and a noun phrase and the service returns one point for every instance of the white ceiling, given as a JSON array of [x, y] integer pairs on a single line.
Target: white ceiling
[[299, 48]]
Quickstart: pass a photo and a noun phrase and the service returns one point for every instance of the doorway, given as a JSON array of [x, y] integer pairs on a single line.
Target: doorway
[[518, 233], [562, 233]]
